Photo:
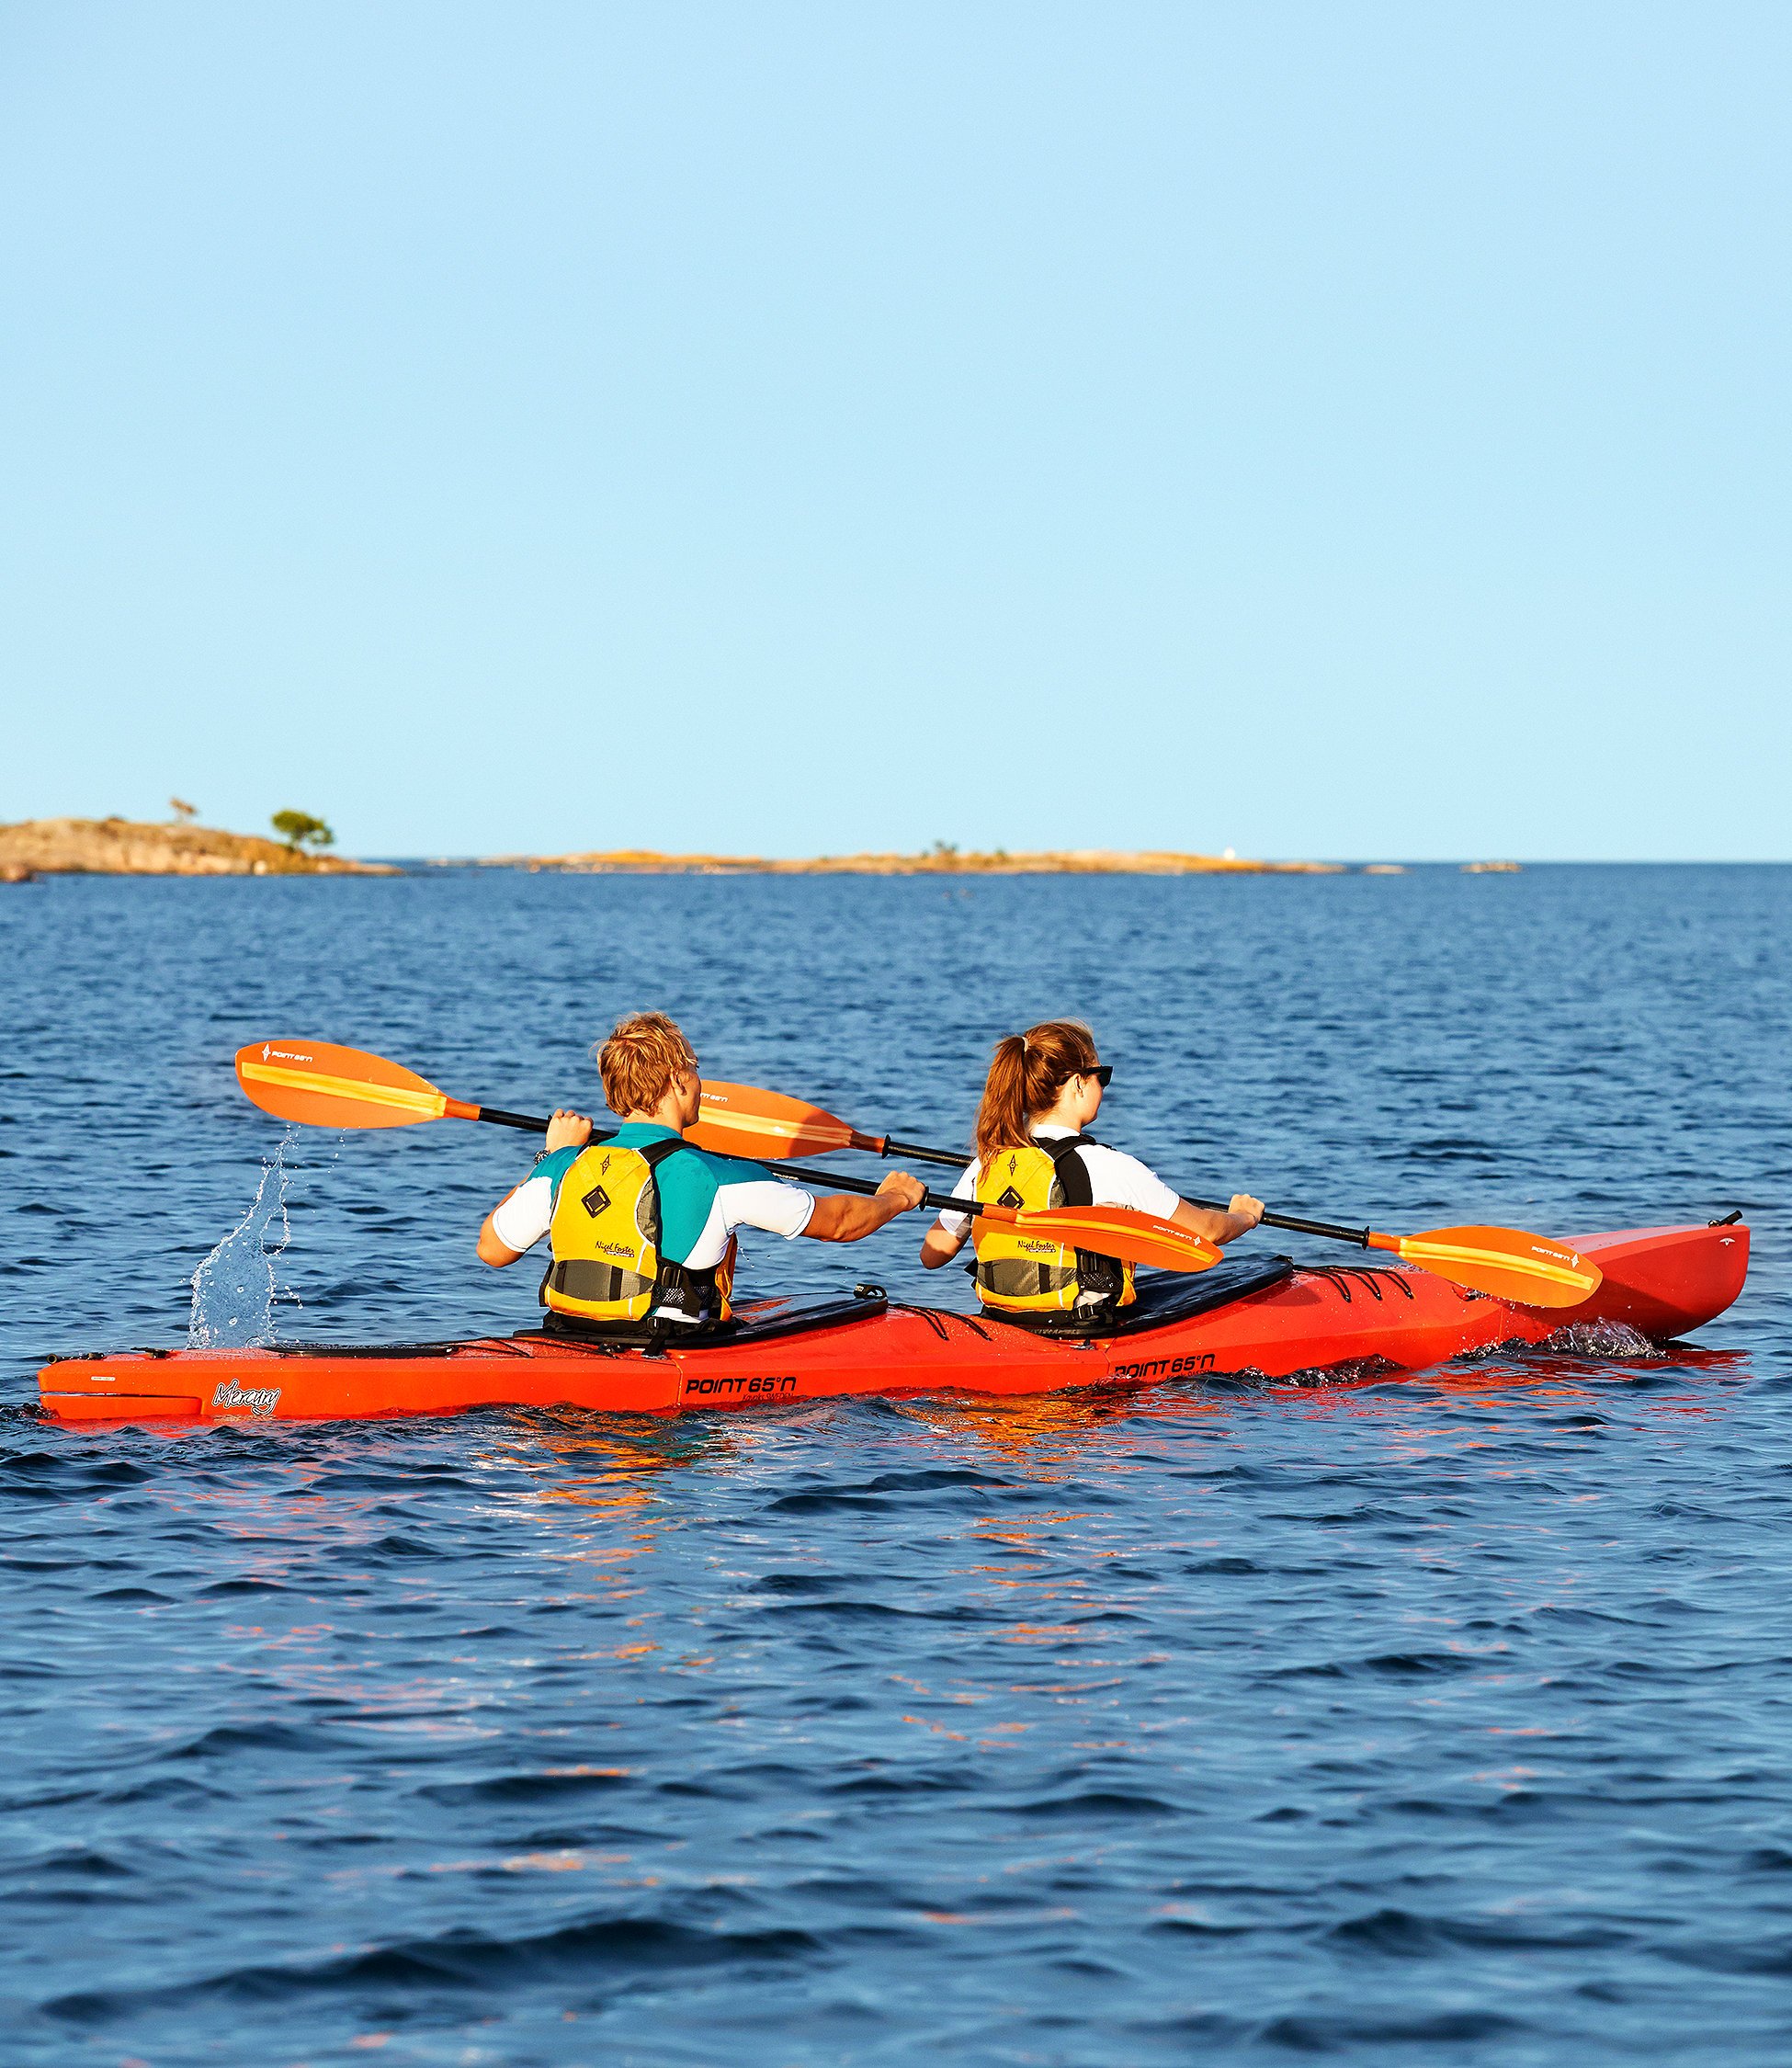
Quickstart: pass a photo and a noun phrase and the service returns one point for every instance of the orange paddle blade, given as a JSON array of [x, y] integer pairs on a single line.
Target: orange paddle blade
[[744, 1120], [322, 1085], [1530, 1270], [1122, 1232]]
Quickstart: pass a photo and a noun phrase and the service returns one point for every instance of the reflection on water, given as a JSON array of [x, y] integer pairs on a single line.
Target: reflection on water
[[1046, 1433], [620, 1448]]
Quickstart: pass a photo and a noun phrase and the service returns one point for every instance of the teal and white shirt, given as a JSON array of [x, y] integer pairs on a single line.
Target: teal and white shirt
[[703, 1200]]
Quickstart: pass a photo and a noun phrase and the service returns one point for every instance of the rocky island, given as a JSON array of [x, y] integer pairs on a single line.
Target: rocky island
[[117, 846], [129, 848], [939, 861]]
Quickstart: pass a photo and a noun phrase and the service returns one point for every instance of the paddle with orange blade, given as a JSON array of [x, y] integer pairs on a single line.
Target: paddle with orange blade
[[791, 1126], [320, 1084], [1506, 1263]]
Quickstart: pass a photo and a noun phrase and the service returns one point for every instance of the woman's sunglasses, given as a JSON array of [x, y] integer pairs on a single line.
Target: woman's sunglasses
[[1103, 1073]]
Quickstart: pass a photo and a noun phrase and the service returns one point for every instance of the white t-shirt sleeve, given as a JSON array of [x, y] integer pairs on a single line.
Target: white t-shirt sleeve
[[767, 1203], [521, 1220], [952, 1223], [763, 1202], [1117, 1179]]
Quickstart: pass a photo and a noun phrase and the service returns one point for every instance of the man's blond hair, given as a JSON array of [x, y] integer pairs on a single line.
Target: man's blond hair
[[641, 1059]]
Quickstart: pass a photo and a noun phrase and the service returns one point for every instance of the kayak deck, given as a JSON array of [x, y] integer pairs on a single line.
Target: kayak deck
[[1263, 1317]]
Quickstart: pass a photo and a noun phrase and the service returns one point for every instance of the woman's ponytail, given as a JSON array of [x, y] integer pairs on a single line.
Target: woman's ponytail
[[1026, 1074], [1002, 1115]]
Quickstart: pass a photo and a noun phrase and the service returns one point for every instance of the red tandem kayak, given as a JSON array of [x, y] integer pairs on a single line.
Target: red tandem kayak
[[1267, 1317]]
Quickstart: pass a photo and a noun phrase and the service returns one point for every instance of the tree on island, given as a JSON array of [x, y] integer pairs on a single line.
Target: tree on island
[[300, 829], [182, 810]]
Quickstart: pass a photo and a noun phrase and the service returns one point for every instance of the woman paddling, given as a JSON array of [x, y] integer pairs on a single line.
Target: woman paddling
[[1043, 1089]]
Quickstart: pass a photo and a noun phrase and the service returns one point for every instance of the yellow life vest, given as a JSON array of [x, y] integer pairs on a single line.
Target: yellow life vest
[[605, 1235], [1029, 1274]]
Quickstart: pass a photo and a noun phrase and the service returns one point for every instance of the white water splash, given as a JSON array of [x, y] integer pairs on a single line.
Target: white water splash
[[1602, 1339], [235, 1289]]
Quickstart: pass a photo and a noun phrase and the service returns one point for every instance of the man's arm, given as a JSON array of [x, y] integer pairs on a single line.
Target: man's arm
[[565, 1131], [842, 1218], [493, 1249]]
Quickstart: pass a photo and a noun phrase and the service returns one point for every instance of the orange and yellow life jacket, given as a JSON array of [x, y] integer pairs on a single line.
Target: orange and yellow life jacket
[[605, 1235], [1029, 1274]]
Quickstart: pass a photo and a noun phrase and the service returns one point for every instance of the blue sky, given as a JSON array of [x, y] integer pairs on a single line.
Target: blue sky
[[1323, 430]]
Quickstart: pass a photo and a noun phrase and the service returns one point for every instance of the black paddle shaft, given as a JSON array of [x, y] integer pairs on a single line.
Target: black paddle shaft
[[837, 1181], [528, 1121], [800, 1174], [1330, 1230], [913, 1150], [532, 1123]]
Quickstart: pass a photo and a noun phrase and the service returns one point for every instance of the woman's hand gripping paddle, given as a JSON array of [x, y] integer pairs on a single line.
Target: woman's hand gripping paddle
[[1506, 1263], [319, 1083]]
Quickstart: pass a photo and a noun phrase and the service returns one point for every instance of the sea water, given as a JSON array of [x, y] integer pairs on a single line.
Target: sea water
[[1444, 1718]]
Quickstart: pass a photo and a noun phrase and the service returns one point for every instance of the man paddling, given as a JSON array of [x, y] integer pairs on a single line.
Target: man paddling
[[642, 1226]]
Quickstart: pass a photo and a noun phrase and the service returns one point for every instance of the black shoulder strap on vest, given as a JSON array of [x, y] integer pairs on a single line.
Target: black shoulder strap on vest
[[1073, 1172], [653, 1153], [693, 1292], [1099, 1275]]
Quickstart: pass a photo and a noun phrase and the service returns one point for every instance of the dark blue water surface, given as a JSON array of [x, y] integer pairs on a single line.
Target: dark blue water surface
[[1443, 1720]]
